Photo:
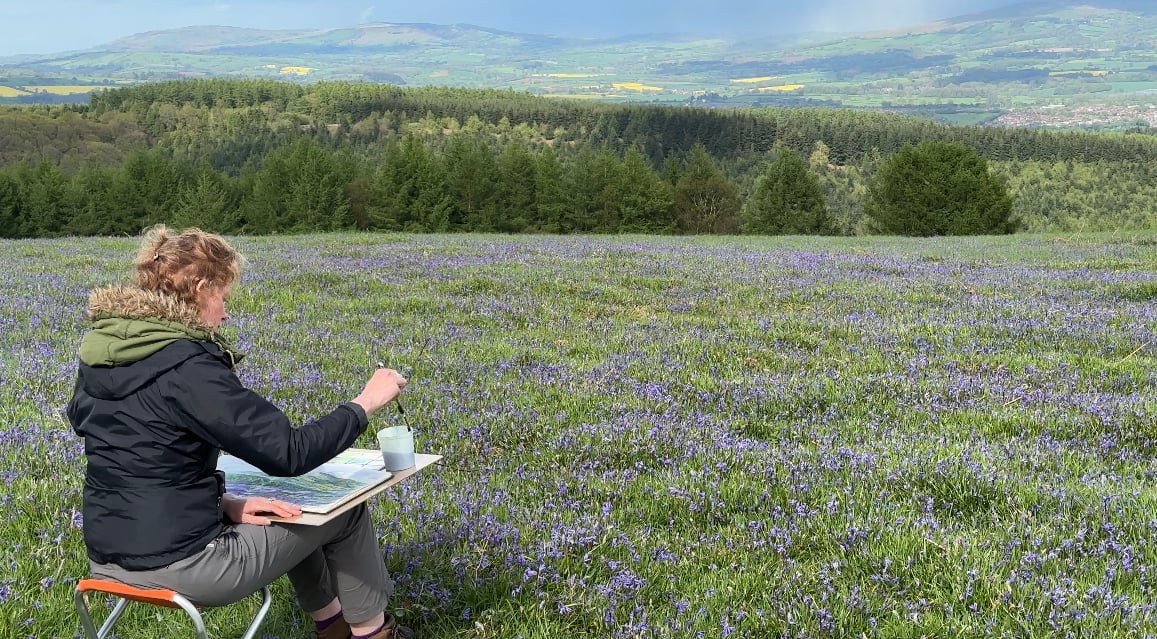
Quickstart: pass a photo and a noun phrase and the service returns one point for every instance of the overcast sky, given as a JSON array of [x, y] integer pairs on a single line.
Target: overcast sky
[[49, 26]]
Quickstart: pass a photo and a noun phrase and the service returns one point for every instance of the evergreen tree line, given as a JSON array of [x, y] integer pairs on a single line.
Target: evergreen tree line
[[304, 186], [460, 183], [263, 157]]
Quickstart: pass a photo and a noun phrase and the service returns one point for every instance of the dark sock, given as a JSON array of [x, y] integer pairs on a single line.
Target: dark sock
[[366, 636], [325, 623]]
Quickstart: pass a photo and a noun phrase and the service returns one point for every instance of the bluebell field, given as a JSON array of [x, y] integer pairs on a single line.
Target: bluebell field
[[672, 437]]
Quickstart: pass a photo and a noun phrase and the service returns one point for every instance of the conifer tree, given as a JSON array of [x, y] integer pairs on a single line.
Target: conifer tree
[[471, 174], [938, 188], [647, 198], [48, 201], [298, 188], [409, 191], [11, 208], [705, 200], [205, 204], [549, 193], [787, 200], [516, 201]]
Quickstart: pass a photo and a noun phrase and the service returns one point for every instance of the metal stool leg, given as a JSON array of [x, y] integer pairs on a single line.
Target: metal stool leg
[[194, 614], [165, 598], [86, 624], [266, 601]]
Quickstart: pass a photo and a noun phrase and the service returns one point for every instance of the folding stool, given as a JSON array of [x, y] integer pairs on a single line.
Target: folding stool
[[165, 598]]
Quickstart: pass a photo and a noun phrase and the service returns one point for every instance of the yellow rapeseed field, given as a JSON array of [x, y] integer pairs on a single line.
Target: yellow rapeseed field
[[11, 92], [65, 89], [635, 86], [763, 78], [782, 87], [295, 70]]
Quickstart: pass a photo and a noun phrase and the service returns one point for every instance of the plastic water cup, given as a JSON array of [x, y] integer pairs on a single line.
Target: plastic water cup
[[397, 444]]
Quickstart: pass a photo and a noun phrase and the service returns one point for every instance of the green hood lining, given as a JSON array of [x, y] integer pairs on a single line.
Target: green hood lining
[[130, 324]]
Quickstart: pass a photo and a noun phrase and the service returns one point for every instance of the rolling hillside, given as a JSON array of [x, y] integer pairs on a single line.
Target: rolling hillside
[[1085, 65]]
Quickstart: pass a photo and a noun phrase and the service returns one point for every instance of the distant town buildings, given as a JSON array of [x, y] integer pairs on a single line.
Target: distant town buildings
[[1083, 116]]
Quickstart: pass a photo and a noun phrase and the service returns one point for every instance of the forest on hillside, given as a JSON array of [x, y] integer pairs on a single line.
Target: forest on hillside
[[258, 156]]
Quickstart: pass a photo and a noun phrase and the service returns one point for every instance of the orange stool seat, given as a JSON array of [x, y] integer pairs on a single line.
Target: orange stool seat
[[165, 598]]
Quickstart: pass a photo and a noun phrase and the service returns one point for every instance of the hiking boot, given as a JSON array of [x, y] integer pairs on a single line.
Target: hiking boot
[[391, 630], [339, 629]]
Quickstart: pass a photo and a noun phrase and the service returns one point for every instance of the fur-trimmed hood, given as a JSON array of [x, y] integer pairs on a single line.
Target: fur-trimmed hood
[[130, 301], [129, 324]]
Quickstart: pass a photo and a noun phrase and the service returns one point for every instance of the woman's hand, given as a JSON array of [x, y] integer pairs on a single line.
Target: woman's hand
[[244, 510], [383, 388]]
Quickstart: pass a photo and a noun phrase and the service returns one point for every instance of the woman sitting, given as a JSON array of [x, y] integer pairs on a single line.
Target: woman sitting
[[157, 400]]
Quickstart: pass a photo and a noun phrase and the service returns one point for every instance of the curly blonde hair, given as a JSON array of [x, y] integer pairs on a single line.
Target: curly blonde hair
[[179, 263]]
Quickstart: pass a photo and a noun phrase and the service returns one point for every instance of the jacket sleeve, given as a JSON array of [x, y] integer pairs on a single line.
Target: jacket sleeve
[[209, 400]]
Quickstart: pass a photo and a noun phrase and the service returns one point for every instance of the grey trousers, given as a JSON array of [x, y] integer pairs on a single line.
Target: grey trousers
[[340, 558]]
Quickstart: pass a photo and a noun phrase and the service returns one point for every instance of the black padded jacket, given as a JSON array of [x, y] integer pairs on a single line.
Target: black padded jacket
[[153, 430]]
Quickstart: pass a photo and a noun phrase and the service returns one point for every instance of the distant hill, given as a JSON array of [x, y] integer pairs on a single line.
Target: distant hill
[[1080, 64], [198, 39]]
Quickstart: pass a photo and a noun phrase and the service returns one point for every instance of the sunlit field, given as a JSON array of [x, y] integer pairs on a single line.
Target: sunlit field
[[672, 437], [69, 89]]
